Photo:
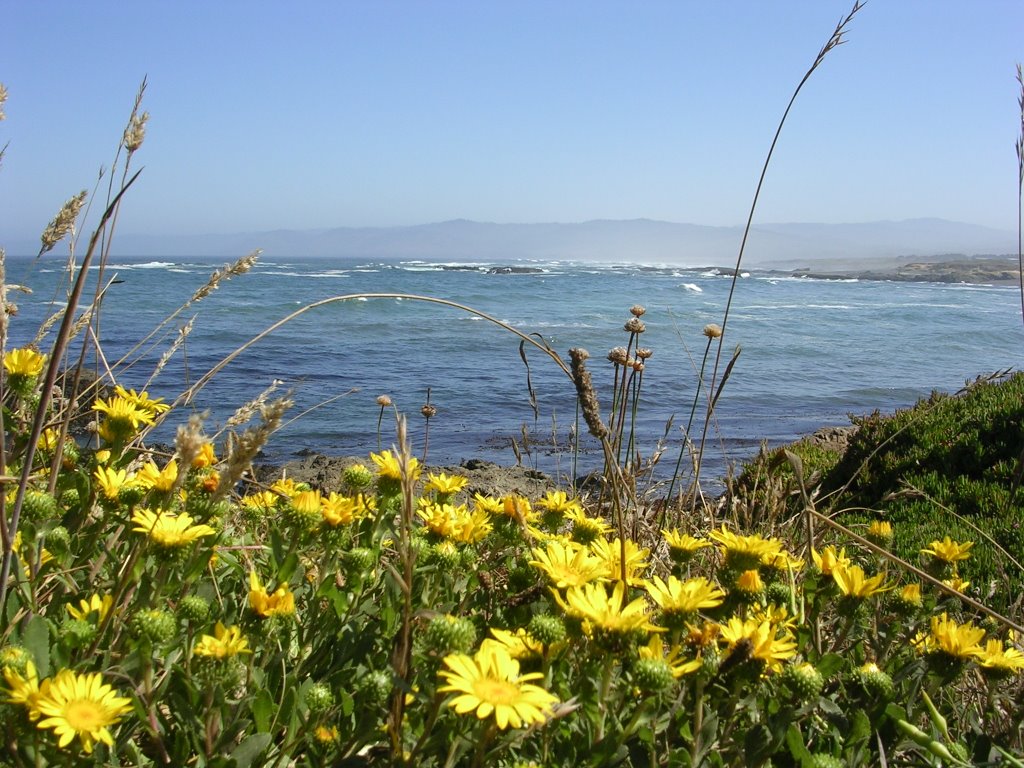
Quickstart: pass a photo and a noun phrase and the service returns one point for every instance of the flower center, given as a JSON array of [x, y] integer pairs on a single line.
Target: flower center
[[496, 692], [84, 715]]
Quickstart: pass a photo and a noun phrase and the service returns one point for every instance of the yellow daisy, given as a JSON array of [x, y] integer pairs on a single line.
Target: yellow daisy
[[948, 551], [168, 530], [827, 561], [339, 510], [1000, 660], [163, 480], [23, 689], [488, 683], [655, 649], [610, 613], [445, 484], [683, 598], [389, 467], [142, 400], [744, 552], [759, 639], [280, 603], [683, 545], [568, 564], [611, 552], [959, 641], [852, 582], [223, 643], [80, 705], [519, 644], [24, 362], [98, 604]]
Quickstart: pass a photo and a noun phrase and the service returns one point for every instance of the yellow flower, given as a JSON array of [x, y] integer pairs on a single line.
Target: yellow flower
[[123, 418], [759, 639], [288, 488], [24, 362], [80, 705], [954, 582], [783, 561], [853, 583], [999, 659], [142, 400], [262, 502], [168, 530], [960, 641], [280, 603], [911, 595], [488, 504], [586, 529], [948, 551], [683, 544], [598, 610], [744, 552], [568, 564], [519, 644], [880, 531], [442, 519], [113, 481], [518, 508], [150, 476], [750, 582], [684, 597], [225, 642], [557, 501], [444, 484], [611, 553], [389, 467], [326, 735], [205, 458], [829, 559], [655, 649], [98, 604], [489, 683], [339, 510], [473, 526], [23, 689]]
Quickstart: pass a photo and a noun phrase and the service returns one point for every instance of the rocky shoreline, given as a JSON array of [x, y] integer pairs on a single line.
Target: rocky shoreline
[[980, 271], [485, 477]]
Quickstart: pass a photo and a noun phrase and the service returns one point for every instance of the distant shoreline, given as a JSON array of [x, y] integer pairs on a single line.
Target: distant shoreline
[[1001, 272]]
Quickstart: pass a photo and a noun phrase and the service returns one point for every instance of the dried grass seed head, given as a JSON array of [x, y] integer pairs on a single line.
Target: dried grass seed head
[[585, 391], [135, 133], [62, 224], [713, 331], [3, 99]]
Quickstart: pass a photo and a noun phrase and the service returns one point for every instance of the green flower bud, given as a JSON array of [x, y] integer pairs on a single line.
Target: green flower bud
[[449, 634], [377, 686], [874, 681], [14, 658], [357, 477], [156, 625], [319, 699], [77, 633], [546, 629], [803, 681], [193, 609], [826, 761], [652, 675], [70, 499], [58, 539], [779, 593], [39, 505], [445, 555], [358, 563]]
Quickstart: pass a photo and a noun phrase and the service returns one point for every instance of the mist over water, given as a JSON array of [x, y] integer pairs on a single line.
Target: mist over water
[[813, 351]]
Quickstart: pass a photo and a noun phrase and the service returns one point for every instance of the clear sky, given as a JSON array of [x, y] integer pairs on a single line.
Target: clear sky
[[328, 113]]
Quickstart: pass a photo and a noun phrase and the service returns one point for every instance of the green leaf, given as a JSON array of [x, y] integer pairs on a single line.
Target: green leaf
[[795, 742], [36, 638], [263, 710], [829, 664], [250, 748]]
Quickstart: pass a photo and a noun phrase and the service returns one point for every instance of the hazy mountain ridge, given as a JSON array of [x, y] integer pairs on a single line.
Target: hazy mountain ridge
[[635, 240]]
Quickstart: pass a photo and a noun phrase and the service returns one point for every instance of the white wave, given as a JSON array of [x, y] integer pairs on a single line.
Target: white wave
[[692, 287], [181, 271]]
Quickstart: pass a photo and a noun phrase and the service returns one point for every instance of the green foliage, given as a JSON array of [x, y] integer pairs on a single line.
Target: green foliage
[[949, 466]]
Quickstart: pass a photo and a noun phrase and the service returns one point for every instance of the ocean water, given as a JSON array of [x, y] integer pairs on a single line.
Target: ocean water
[[812, 351]]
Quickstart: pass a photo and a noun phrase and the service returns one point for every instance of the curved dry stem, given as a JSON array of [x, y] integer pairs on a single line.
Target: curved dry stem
[[189, 394]]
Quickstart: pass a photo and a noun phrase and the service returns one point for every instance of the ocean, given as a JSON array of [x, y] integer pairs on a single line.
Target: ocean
[[813, 352]]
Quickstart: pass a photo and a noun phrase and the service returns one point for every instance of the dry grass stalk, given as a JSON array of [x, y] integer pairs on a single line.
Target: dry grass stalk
[[62, 224], [242, 449], [3, 100], [183, 334], [239, 267], [247, 410], [189, 440]]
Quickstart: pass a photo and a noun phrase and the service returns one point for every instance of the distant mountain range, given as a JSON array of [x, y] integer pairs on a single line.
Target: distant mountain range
[[636, 240]]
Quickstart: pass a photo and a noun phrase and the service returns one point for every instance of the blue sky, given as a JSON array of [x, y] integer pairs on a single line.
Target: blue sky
[[303, 115]]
